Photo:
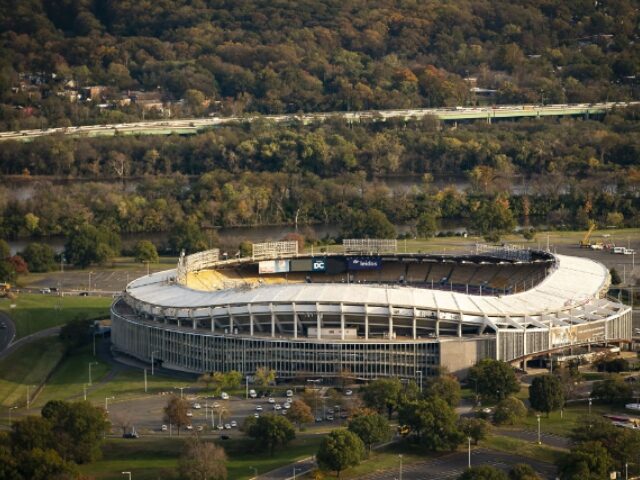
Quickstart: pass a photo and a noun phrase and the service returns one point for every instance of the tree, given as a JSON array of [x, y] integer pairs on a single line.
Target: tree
[[612, 365], [75, 333], [509, 411], [433, 422], [232, 379], [546, 393], [615, 277], [187, 236], [523, 471], [444, 386], [145, 252], [476, 428], [493, 217], [89, 244], [373, 428], [483, 472], [612, 390], [272, 431], [79, 429], [340, 450], [427, 224], [495, 379], [382, 394], [586, 461], [175, 412], [39, 257], [32, 432], [39, 464], [202, 461], [372, 223], [264, 376], [300, 413]]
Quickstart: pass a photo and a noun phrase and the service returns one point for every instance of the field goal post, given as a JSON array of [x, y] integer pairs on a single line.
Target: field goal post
[[274, 249], [370, 245]]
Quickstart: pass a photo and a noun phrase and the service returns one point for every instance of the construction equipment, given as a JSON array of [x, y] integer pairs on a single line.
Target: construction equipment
[[585, 243]]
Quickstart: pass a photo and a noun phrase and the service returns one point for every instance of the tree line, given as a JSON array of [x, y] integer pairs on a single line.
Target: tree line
[[259, 56]]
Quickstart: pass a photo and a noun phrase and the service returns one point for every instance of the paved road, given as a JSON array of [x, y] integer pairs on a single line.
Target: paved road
[[193, 125], [7, 332], [452, 465]]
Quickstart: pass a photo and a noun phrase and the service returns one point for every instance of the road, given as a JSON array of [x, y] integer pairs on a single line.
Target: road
[[194, 125]]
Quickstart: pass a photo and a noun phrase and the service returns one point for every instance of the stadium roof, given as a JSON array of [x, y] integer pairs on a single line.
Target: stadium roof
[[574, 281]]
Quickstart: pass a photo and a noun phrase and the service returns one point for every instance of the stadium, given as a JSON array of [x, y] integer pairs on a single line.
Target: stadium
[[366, 311]]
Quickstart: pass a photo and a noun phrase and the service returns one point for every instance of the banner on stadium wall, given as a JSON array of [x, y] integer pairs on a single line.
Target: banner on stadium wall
[[318, 264], [364, 263], [273, 266]]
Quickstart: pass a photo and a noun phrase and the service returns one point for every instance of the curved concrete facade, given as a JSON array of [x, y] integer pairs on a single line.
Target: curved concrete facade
[[366, 330]]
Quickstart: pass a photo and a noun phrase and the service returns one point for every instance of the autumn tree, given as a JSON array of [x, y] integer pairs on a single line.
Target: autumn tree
[[175, 412], [202, 460], [300, 413]]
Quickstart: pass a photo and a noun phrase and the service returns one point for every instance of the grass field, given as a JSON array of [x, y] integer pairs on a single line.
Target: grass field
[[151, 458], [35, 312], [542, 453], [28, 366]]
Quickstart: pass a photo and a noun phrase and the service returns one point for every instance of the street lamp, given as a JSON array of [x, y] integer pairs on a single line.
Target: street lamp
[[11, 408], [84, 389], [589, 405], [106, 403], [181, 389], [90, 365], [127, 473], [400, 472], [538, 417], [469, 462], [153, 360]]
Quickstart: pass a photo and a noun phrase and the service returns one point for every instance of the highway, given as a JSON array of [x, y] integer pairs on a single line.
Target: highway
[[194, 125]]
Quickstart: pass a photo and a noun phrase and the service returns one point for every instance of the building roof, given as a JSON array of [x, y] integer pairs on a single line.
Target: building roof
[[575, 281]]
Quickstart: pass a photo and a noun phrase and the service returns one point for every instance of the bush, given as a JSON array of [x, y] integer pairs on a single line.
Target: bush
[[509, 411]]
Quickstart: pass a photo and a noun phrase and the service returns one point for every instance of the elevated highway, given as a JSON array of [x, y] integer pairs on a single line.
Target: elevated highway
[[196, 125]]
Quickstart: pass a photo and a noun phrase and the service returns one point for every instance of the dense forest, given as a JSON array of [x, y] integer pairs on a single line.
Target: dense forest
[[285, 56]]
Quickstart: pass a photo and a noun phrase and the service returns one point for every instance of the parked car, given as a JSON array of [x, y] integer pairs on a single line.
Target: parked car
[[197, 406], [348, 393], [289, 393], [271, 400], [189, 413], [163, 428], [234, 423], [224, 396]]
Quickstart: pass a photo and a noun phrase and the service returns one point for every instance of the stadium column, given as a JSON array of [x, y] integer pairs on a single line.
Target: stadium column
[[414, 324], [366, 322], [341, 321], [295, 320], [273, 320], [318, 322], [251, 318], [390, 322], [230, 319]]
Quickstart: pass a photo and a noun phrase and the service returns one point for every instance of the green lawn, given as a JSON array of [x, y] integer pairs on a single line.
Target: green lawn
[[35, 312], [542, 453], [156, 457], [28, 366]]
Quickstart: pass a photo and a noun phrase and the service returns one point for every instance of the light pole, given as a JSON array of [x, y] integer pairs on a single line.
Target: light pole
[[589, 405], [296, 469], [84, 389], [469, 462], [246, 387], [538, 417], [626, 471], [153, 360], [90, 365], [28, 395], [127, 473], [181, 389], [11, 408], [400, 472], [419, 372], [106, 403]]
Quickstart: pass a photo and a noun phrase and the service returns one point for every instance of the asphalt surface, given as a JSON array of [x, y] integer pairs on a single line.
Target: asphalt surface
[[453, 465], [7, 332], [549, 439]]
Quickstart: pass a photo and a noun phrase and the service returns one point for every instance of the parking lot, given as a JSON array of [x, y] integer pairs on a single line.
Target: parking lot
[[208, 413]]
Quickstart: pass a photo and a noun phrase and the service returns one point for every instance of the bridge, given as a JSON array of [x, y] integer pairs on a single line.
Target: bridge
[[196, 125]]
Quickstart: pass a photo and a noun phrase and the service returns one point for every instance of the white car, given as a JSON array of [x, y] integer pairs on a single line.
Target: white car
[[289, 393], [220, 427], [277, 407], [287, 405], [234, 423], [189, 427], [227, 426], [197, 406], [348, 393], [224, 396], [189, 414], [259, 408], [256, 415], [163, 428], [271, 400], [253, 394]]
